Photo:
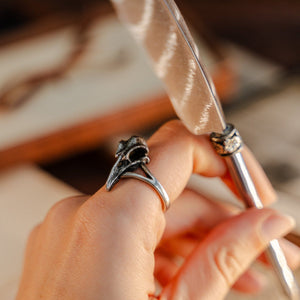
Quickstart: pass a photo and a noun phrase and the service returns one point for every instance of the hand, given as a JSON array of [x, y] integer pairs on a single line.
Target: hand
[[114, 244]]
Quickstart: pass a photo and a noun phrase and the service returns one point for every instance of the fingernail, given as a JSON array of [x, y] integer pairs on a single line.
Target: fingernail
[[276, 226]]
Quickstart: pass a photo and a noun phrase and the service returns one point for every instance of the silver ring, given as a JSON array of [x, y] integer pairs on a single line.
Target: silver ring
[[131, 155]]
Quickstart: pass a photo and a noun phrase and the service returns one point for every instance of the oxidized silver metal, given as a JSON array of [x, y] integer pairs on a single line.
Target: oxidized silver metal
[[228, 142], [131, 155]]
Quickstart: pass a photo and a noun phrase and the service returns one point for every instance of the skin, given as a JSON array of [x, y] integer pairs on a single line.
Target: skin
[[114, 245]]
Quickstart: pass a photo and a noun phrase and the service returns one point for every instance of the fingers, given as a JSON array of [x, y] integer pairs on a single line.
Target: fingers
[[45, 240], [192, 216], [175, 154], [129, 218], [225, 254], [251, 282], [165, 268], [57, 222], [192, 212], [189, 219], [54, 224], [127, 223]]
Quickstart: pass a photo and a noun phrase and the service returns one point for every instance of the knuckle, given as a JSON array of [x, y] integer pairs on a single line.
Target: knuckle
[[173, 125], [167, 132], [60, 210], [34, 232], [32, 238], [228, 263], [174, 128], [57, 211]]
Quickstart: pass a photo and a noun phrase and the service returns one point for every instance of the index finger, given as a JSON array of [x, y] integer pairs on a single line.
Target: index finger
[[174, 155]]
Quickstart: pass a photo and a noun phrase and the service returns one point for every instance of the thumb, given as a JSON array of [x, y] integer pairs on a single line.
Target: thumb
[[225, 255]]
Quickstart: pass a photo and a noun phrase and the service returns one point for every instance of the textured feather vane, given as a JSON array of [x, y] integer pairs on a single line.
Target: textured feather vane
[[160, 28]]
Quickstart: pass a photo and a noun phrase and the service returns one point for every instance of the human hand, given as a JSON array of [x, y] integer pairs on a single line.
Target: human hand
[[113, 245]]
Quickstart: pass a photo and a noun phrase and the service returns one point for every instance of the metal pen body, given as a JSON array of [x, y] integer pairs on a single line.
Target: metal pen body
[[231, 142], [246, 188]]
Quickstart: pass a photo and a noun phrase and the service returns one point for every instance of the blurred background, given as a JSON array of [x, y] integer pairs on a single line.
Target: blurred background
[[73, 83]]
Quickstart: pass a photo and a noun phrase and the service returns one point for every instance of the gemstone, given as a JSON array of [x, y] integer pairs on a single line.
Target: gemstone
[[233, 144]]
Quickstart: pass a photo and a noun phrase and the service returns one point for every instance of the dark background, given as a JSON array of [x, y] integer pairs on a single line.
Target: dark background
[[270, 28]]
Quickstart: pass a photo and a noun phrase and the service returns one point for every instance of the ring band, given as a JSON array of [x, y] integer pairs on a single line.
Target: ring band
[[131, 155], [150, 179]]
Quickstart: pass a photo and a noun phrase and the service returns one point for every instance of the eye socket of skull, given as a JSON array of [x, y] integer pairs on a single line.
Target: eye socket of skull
[[137, 154]]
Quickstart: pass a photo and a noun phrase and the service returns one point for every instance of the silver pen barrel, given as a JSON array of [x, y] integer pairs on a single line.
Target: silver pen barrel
[[230, 145]]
